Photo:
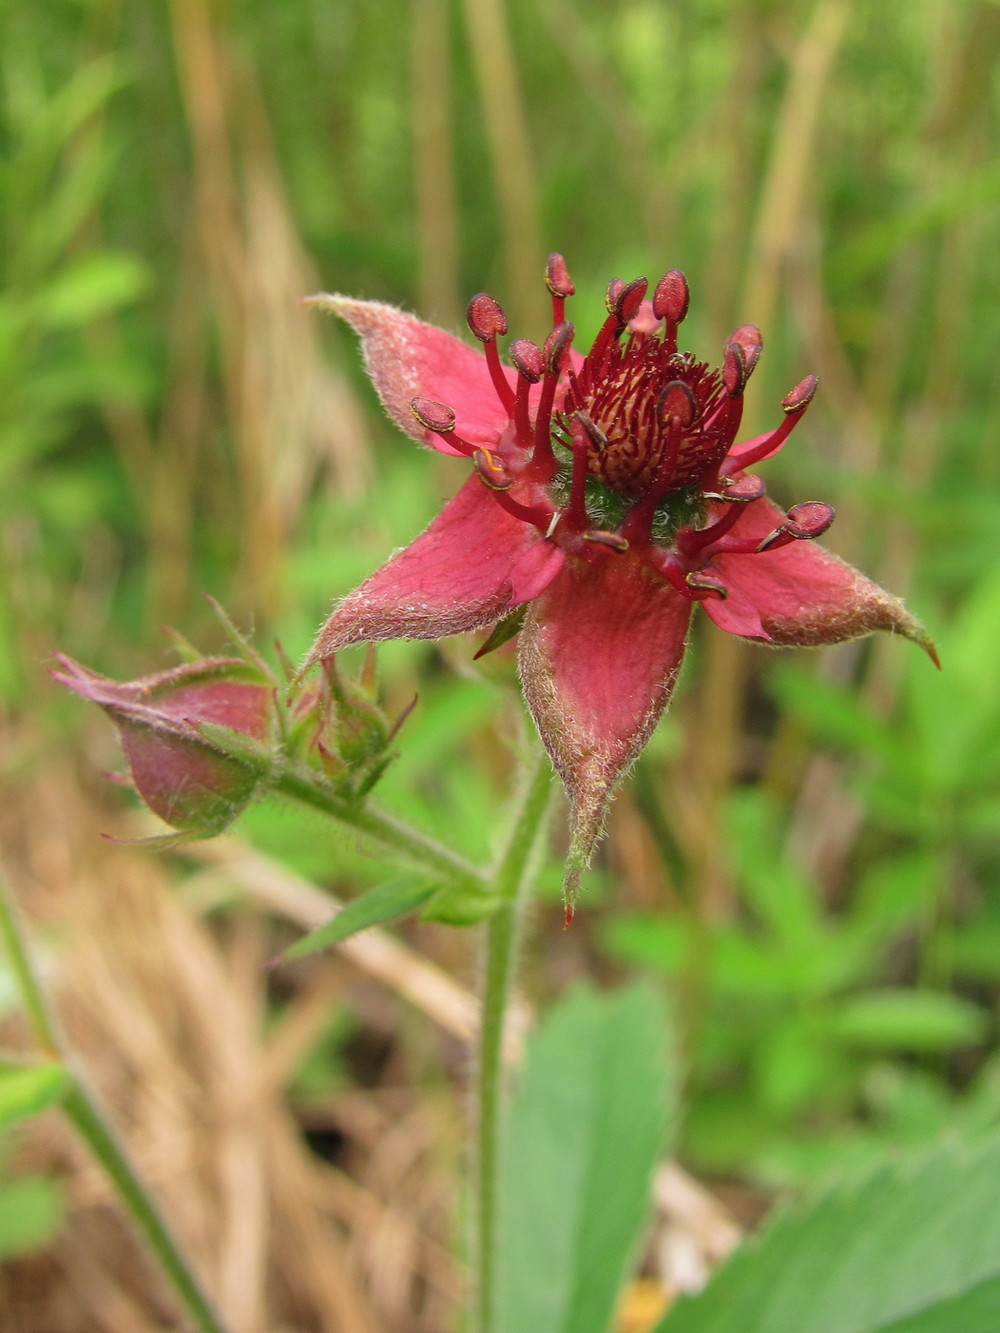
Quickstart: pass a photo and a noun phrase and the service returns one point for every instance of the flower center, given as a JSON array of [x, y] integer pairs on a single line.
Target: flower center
[[636, 435], [631, 447]]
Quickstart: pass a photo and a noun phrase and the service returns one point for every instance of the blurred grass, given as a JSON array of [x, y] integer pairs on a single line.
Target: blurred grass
[[174, 175]]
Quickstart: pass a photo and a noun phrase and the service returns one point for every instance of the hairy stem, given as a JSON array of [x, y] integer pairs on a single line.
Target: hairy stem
[[392, 834], [83, 1111], [511, 880]]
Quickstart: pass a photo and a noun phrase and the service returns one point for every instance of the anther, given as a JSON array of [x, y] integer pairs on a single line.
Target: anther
[[560, 285], [528, 360], [557, 277], [627, 300], [488, 322], [615, 287], [670, 300], [677, 403], [594, 433], [486, 318], [734, 371], [436, 417], [742, 353], [804, 523], [801, 396], [743, 490], [556, 350], [555, 355], [613, 540], [748, 337], [708, 585], [492, 470]]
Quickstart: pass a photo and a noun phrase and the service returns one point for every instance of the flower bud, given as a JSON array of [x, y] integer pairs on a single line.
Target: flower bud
[[194, 779], [339, 726]]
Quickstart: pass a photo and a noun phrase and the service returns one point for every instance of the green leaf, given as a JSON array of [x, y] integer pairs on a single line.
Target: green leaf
[[387, 902], [914, 1249], [93, 285], [27, 1092], [908, 1020], [585, 1130], [30, 1214], [503, 631], [975, 1311], [460, 905]]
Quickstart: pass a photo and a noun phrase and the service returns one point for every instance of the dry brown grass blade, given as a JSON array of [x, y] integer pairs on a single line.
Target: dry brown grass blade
[[715, 729], [166, 1014], [165, 1010], [510, 157], [286, 414], [449, 1004], [793, 148], [433, 170], [942, 270], [703, 1229]]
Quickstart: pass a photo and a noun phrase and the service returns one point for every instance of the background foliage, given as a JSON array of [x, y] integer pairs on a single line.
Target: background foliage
[[807, 857]]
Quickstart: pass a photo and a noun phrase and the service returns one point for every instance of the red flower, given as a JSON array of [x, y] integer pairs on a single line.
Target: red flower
[[607, 492]]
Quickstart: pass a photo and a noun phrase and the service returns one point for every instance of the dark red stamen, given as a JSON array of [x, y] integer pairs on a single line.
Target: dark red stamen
[[522, 414], [627, 300], [555, 355], [539, 516], [794, 405], [530, 366], [744, 490], [486, 318], [528, 360], [670, 303], [804, 523], [670, 300], [613, 540], [560, 285], [594, 433], [801, 396], [488, 322], [707, 585], [433, 416], [492, 470], [678, 403], [439, 419], [748, 338], [693, 541]]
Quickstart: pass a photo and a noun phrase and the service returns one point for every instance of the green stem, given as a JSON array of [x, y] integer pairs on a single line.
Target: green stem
[[36, 1006], [82, 1109], [93, 1127], [510, 881], [392, 834]]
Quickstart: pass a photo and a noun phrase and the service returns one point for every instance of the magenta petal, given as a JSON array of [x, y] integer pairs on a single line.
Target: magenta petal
[[406, 358], [807, 596], [600, 652], [534, 571], [456, 576], [736, 614]]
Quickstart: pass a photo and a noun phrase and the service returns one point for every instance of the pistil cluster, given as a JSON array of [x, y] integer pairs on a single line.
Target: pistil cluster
[[630, 447]]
